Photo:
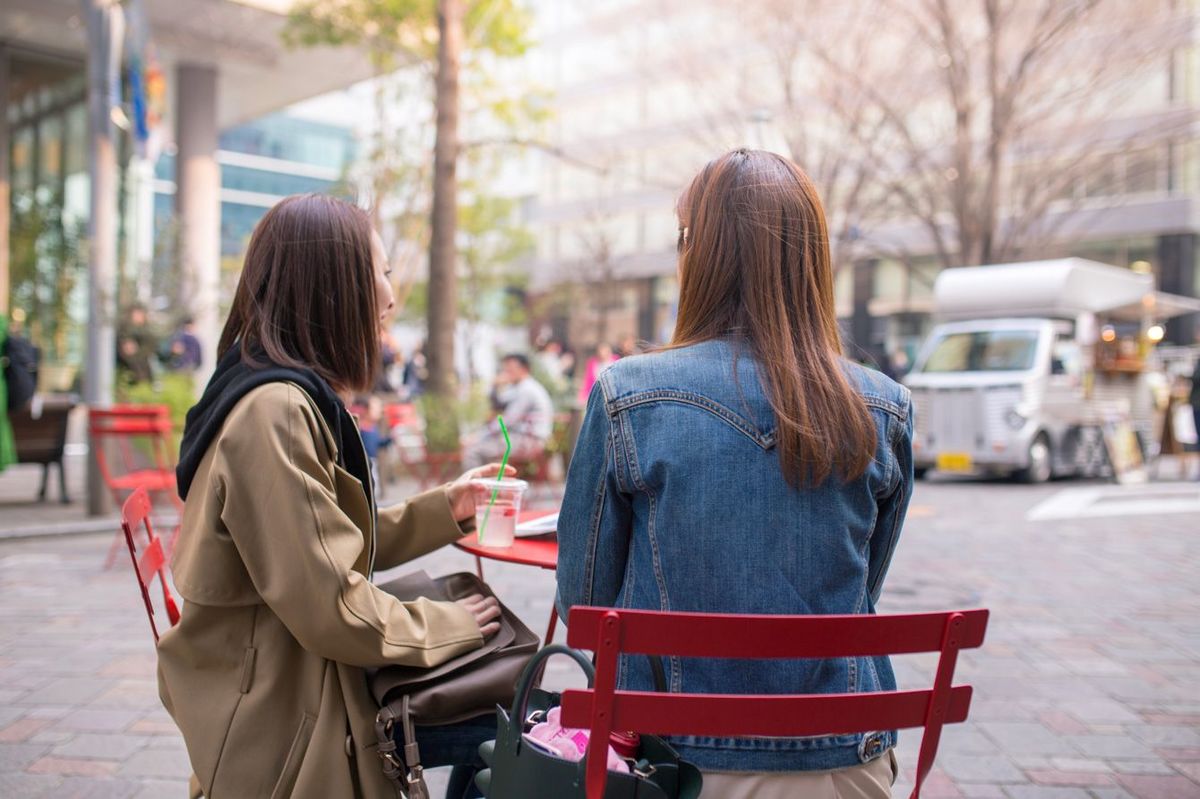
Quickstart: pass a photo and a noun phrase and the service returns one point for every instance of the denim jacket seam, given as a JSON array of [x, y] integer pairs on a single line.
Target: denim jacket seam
[[896, 431], [635, 472], [639, 482], [895, 523], [893, 472], [763, 439], [865, 556], [589, 566], [889, 406]]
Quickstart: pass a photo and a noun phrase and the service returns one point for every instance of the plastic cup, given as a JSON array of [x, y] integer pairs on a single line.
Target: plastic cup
[[502, 519]]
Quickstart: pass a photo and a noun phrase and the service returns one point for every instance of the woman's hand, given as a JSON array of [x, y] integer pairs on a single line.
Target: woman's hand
[[486, 611], [462, 498]]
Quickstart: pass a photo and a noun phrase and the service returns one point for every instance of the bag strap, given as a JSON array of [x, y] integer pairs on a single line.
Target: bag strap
[[413, 784], [531, 674], [658, 673]]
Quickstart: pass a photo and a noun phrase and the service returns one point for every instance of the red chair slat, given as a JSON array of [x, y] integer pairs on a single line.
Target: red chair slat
[[610, 633], [723, 635], [151, 563], [764, 714], [136, 509]]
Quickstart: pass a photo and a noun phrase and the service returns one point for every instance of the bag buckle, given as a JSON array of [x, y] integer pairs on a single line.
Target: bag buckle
[[644, 768], [417, 789]]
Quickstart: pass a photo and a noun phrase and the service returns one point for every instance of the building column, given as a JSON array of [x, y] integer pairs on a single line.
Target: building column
[[5, 201], [100, 367], [198, 204], [1178, 264]]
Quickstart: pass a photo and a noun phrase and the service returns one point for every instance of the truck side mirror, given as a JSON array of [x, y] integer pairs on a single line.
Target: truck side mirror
[[1058, 366]]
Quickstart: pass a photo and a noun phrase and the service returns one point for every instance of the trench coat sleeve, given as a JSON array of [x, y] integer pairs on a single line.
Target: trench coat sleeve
[[416, 528], [299, 547]]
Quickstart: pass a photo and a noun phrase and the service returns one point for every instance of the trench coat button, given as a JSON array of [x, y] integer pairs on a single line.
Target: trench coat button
[[350, 746]]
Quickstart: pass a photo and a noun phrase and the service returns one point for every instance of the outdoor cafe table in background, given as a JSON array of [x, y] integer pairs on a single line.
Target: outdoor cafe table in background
[[540, 551]]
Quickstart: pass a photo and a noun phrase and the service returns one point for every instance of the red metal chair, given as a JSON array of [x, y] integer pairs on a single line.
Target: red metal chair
[[401, 414], [135, 513], [141, 437], [610, 633]]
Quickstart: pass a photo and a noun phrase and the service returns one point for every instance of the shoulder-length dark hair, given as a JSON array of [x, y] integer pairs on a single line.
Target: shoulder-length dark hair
[[754, 257], [306, 296]]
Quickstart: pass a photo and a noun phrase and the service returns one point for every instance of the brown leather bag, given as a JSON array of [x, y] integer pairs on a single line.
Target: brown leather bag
[[470, 685]]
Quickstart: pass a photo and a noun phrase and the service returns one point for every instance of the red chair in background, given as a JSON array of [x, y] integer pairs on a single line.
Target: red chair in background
[[152, 562], [401, 414], [610, 632], [141, 437]]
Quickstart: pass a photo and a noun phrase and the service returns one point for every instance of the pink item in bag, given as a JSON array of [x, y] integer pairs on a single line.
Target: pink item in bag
[[568, 742]]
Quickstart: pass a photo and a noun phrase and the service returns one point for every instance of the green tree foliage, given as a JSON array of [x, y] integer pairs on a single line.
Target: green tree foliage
[[398, 32], [492, 243], [45, 271], [443, 38]]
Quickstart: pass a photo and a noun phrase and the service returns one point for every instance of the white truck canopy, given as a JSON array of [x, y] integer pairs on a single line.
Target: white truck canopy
[[1061, 289]]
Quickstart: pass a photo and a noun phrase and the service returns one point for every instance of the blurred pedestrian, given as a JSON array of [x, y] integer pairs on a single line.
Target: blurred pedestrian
[[568, 364], [896, 364], [528, 414], [137, 346], [747, 468], [601, 359], [388, 354], [416, 372], [183, 351], [550, 359]]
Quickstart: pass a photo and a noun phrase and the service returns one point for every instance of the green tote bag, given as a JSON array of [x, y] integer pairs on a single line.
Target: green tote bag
[[517, 770]]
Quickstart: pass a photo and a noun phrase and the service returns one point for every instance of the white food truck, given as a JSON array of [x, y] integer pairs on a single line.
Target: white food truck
[[1032, 363]]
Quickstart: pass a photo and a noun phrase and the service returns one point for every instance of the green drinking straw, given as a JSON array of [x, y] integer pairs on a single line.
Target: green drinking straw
[[499, 478]]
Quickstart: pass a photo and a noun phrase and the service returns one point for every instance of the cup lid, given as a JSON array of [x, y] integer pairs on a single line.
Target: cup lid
[[504, 484]]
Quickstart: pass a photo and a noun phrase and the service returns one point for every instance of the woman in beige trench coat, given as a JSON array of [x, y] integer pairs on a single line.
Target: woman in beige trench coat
[[264, 672]]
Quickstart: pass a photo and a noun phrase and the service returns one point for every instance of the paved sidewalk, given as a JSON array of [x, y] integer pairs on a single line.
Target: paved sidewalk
[[1085, 688]]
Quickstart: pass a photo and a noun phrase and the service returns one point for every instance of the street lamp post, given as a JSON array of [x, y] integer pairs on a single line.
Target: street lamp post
[[103, 26]]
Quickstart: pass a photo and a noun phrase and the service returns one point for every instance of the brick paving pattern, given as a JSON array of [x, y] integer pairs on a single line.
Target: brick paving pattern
[[1085, 687]]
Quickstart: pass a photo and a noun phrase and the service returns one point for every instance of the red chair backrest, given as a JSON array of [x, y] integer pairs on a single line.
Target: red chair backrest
[[152, 562], [132, 409], [610, 632], [124, 423]]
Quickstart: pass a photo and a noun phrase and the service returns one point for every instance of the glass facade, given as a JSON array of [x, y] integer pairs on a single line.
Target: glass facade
[[47, 119], [46, 115], [261, 163]]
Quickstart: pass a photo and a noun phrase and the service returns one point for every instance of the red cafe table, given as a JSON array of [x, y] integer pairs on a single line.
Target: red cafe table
[[541, 551]]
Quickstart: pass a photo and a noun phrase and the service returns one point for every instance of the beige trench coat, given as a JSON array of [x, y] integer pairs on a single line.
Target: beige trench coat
[[264, 672]]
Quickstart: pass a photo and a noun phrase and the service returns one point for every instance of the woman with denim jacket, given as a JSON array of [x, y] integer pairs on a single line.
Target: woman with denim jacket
[[747, 467]]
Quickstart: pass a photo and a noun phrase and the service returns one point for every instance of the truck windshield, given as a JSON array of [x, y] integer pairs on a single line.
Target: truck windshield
[[983, 351]]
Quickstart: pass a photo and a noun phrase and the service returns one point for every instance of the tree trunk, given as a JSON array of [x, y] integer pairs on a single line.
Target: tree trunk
[[443, 288]]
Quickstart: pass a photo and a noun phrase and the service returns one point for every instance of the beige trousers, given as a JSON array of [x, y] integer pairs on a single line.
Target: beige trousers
[[867, 781]]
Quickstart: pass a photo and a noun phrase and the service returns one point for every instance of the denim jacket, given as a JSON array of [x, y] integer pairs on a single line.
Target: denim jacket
[[675, 500]]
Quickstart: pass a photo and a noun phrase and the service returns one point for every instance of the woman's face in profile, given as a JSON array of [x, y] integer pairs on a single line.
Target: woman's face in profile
[[384, 297]]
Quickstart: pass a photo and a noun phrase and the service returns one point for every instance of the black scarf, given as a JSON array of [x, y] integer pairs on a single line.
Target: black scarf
[[234, 379]]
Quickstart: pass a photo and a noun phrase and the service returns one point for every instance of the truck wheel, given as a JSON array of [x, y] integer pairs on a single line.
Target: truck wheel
[[1041, 462], [919, 472]]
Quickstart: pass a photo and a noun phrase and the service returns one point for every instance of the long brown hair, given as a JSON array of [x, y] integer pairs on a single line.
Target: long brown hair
[[754, 258], [306, 295]]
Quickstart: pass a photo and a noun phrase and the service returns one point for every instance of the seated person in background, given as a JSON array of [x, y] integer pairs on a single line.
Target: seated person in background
[[528, 414]]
